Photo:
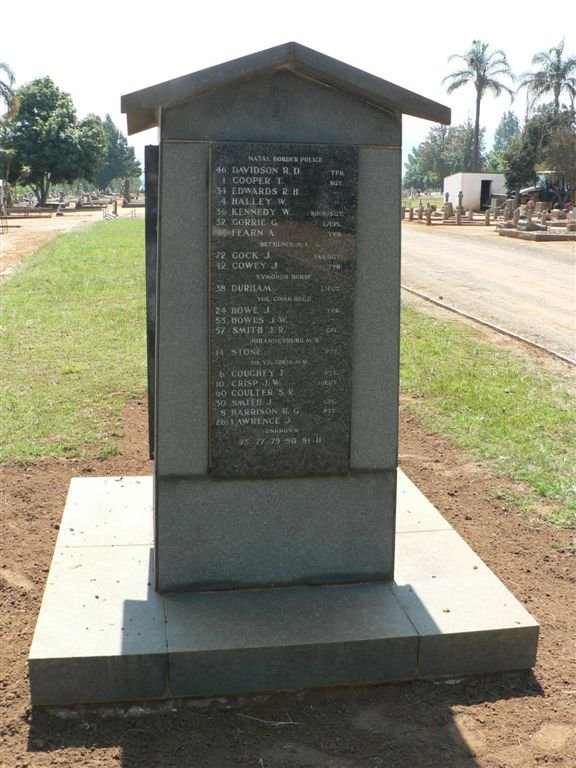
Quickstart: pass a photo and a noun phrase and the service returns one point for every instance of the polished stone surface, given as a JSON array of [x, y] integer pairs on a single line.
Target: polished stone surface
[[288, 638], [183, 392], [282, 269], [143, 107], [182, 325], [220, 534], [331, 137], [103, 634]]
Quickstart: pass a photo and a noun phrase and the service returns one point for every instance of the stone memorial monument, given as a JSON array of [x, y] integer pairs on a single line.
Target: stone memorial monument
[[278, 546]]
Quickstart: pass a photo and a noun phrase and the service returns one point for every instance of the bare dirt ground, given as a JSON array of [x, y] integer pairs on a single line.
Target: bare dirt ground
[[23, 235], [514, 720]]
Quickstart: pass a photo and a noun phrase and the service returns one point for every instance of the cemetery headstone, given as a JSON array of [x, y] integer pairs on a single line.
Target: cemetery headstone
[[275, 558], [275, 398]]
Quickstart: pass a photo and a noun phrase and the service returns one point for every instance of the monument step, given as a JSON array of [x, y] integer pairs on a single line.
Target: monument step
[[104, 635]]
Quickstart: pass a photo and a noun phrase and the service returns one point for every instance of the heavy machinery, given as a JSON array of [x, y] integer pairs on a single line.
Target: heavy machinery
[[550, 188]]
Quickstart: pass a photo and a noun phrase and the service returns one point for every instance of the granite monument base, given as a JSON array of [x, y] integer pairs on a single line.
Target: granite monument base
[[104, 635]]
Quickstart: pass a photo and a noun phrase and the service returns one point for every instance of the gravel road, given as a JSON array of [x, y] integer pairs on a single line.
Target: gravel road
[[525, 287]]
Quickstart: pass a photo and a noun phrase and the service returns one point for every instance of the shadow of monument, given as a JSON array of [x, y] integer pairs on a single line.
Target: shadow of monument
[[409, 723]]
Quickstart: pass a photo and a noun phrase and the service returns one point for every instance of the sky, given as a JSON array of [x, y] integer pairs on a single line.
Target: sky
[[100, 51]]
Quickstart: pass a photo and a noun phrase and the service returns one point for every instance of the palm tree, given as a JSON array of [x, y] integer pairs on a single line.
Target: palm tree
[[482, 69], [7, 94], [555, 75]]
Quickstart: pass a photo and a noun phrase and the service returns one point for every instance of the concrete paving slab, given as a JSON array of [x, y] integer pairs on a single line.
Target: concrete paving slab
[[460, 654], [440, 571], [100, 632], [421, 556], [286, 638], [538, 237], [468, 621], [108, 511], [413, 510], [277, 668], [103, 633]]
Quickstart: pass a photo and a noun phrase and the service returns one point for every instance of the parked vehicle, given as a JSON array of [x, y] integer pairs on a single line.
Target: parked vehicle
[[550, 188]]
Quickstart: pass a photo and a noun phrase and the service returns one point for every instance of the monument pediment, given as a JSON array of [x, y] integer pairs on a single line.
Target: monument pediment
[[143, 107]]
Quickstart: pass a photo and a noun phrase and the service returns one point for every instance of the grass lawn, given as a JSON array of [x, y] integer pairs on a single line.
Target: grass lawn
[[72, 352], [72, 342], [414, 202], [495, 405]]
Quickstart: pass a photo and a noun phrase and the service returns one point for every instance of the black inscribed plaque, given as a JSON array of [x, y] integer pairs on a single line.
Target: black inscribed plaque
[[282, 266]]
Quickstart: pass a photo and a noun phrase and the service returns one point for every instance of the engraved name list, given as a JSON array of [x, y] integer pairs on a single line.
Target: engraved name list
[[282, 263]]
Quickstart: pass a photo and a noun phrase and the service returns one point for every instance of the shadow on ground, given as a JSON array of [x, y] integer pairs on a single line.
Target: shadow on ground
[[406, 726]]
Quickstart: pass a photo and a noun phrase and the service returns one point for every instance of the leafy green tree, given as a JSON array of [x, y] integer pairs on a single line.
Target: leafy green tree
[[461, 146], [7, 93], [10, 101], [538, 144], [481, 69], [519, 163], [555, 75], [560, 155], [120, 161], [49, 139], [433, 155], [92, 142], [540, 128], [508, 128], [7, 155], [415, 176], [426, 166], [445, 151]]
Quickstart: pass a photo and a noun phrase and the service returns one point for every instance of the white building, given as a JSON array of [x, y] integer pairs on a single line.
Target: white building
[[476, 188]]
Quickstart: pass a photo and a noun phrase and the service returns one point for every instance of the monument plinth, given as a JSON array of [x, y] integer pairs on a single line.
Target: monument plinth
[[286, 549]]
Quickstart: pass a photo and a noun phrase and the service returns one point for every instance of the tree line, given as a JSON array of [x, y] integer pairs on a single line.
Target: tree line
[[546, 140], [43, 143]]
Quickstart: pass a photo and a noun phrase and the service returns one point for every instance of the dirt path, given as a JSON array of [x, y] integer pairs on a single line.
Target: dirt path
[[23, 236], [526, 287], [519, 720]]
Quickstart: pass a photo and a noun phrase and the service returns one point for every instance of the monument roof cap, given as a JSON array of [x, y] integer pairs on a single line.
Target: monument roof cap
[[143, 107]]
